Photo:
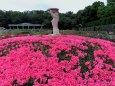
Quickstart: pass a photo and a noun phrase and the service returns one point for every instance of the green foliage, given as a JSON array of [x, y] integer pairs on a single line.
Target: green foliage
[[4, 53], [29, 83], [62, 56], [102, 21], [110, 62], [44, 49], [84, 68], [110, 1], [92, 15], [88, 58]]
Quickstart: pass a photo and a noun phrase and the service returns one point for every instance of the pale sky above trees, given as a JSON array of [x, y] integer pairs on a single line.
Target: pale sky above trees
[[63, 5]]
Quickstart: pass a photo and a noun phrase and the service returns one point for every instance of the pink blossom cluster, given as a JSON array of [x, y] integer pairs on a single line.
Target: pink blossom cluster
[[57, 61]]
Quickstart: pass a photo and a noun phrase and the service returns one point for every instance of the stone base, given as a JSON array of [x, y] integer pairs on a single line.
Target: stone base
[[56, 30]]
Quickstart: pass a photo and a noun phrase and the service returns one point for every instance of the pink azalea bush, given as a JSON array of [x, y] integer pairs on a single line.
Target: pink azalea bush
[[57, 61]]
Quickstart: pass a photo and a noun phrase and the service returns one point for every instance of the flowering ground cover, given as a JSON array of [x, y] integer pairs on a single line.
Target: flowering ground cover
[[57, 61]]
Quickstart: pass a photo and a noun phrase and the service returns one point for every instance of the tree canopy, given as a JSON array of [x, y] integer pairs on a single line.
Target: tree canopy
[[92, 15]]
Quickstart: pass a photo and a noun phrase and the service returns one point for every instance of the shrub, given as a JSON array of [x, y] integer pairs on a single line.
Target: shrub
[[56, 61]]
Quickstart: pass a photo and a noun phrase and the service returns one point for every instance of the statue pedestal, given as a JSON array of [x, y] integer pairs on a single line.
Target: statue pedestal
[[55, 20]]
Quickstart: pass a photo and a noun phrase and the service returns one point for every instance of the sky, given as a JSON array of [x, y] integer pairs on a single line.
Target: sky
[[63, 5]]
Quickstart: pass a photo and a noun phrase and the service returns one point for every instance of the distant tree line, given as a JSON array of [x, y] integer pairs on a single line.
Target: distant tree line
[[93, 15], [110, 1]]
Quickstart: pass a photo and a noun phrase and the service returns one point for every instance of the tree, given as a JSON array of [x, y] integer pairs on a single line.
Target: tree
[[110, 1], [101, 11], [95, 14], [2, 18]]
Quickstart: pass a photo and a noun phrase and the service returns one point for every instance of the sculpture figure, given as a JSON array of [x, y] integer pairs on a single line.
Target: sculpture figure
[[55, 20]]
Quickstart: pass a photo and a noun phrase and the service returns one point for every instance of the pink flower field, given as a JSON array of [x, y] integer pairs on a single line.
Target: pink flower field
[[57, 61]]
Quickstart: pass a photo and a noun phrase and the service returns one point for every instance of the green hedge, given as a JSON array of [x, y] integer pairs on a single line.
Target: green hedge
[[102, 21], [104, 24], [108, 28]]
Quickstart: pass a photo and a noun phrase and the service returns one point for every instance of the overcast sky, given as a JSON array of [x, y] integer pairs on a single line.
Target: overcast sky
[[63, 5]]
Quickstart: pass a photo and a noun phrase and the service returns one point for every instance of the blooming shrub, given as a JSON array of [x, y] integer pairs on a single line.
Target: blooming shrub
[[56, 61]]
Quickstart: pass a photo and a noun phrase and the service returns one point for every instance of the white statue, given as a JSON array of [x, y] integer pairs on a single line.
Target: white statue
[[55, 20]]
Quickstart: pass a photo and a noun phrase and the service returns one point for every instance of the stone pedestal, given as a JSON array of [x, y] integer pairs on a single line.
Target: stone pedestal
[[55, 20]]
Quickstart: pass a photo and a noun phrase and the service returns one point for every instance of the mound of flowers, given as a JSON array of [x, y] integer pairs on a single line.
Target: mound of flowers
[[57, 61]]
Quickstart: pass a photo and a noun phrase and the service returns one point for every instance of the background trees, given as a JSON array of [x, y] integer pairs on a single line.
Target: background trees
[[93, 15], [109, 1]]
